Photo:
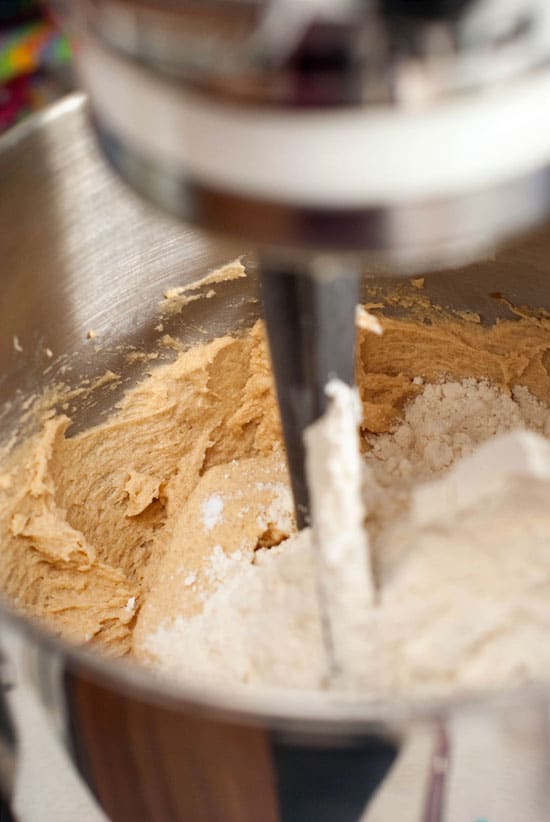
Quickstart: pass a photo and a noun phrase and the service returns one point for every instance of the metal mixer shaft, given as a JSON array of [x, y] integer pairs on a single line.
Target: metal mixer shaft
[[309, 312]]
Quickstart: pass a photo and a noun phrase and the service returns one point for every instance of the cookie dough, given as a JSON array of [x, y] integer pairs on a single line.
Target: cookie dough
[[123, 535], [85, 521]]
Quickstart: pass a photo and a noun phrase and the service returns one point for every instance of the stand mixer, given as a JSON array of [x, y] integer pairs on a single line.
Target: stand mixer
[[404, 135]]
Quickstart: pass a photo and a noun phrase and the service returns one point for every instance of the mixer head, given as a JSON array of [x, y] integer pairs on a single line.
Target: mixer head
[[416, 132]]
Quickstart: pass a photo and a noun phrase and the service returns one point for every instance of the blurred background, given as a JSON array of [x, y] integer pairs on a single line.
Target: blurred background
[[35, 60]]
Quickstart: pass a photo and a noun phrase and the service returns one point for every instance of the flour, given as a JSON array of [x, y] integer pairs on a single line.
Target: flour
[[212, 510], [342, 555], [262, 624], [446, 422], [220, 566], [367, 321], [459, 603], [278, 514]]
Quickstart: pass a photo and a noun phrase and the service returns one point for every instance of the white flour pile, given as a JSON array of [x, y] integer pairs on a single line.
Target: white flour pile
[[462, 596]]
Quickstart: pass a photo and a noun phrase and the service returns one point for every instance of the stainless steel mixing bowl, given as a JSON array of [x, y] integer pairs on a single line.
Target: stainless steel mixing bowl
[[77, 252]]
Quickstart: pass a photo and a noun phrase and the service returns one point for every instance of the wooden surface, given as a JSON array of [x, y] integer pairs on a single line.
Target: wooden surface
[[153, 765]]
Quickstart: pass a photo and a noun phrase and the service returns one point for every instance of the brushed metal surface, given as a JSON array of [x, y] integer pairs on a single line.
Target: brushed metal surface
[[62, 273]]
